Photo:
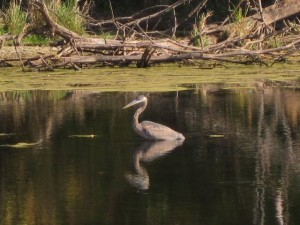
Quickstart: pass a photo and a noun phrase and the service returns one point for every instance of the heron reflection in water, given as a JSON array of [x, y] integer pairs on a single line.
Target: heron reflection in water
[[148, 152], [148, 129]]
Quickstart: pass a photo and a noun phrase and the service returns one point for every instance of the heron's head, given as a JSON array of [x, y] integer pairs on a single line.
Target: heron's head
[[138, 100]]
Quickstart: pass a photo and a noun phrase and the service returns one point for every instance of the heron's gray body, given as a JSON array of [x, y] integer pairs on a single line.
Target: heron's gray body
[[155, 131], [150, 130]]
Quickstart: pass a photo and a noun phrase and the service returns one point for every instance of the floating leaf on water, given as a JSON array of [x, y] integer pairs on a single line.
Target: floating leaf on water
[[20, 145], [216, 135], [7, 134], [101, 172], [84, 135]]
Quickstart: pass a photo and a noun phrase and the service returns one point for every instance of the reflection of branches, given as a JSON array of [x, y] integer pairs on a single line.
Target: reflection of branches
[[281, 200], [260, 169], [287, 133], [47, 109], [266, 139]]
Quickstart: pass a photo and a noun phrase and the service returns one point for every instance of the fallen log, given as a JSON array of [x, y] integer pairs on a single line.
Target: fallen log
[[128, 59]]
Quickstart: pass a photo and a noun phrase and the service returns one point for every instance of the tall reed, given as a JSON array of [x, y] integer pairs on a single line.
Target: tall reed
[[14, 18], [68, 14]]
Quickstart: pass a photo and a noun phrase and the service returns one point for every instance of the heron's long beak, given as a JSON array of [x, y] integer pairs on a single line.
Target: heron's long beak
[[134, 102]]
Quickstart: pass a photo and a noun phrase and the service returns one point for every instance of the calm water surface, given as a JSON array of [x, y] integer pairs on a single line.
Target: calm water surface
[[83, 164]]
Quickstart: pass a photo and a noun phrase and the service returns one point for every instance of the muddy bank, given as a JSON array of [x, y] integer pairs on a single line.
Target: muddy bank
[[10, 52]]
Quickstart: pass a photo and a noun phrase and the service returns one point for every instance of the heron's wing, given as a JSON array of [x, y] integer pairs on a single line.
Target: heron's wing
[[158, 131]]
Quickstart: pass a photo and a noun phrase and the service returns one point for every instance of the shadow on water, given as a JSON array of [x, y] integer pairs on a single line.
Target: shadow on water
[[239, 163], [148, 152]]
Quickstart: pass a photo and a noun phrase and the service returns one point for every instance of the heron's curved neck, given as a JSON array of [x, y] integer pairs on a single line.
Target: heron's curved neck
[[138, 112]]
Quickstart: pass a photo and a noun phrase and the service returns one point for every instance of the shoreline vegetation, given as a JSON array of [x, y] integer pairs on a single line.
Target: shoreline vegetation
[[39, 36]]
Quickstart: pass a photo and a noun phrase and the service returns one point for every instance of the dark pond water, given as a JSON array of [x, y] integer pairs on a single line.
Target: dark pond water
[[83, 164]]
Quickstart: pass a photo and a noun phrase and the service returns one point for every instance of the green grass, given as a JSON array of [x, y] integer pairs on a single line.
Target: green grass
[[37, 40]]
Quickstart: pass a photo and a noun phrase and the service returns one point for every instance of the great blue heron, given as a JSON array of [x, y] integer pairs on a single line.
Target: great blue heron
[[148, 129]]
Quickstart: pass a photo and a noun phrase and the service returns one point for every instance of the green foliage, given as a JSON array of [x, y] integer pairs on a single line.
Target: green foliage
[[294, 26], [240, 27], [238, 15], [198, 38], [14, 18], [2, 30]]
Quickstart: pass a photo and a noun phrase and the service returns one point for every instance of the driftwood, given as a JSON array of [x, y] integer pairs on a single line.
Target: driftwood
[[80, 51], [140, 58]]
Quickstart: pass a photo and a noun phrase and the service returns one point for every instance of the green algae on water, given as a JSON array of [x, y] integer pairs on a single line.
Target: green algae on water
[[153, 79]]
